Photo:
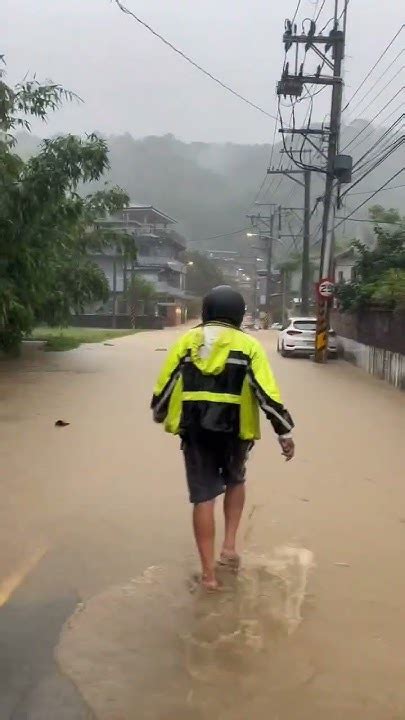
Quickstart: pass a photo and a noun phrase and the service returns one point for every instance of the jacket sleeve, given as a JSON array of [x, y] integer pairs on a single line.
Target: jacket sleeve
[[166, 381], [267, 392]]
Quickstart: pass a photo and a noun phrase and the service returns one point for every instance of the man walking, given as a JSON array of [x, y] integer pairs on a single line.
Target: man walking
[[209, 392]]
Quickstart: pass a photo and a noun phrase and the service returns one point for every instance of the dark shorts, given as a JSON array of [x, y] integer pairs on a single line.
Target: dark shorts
[[213, 461]]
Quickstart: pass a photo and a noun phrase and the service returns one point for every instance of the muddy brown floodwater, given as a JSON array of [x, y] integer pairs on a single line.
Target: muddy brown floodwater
[[95, 535]]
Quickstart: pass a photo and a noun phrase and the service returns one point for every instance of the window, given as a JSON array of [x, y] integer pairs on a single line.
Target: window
[[305, 325], [340, 276]]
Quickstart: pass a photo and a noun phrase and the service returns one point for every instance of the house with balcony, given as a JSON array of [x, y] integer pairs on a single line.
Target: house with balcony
[[159, 261]]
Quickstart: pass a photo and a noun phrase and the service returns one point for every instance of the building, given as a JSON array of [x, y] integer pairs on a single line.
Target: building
[[159, 261], [344, 265]]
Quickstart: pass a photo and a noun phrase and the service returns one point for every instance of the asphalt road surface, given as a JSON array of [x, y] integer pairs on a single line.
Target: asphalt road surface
[[95, 524]]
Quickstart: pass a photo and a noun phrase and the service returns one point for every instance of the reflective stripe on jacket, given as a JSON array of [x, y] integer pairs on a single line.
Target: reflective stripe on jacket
[[221, 390]]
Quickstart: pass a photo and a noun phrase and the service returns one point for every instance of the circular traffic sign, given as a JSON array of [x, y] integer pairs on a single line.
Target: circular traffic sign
[[326, 288]]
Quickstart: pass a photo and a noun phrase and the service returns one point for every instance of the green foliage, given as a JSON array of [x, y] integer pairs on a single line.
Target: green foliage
[[202, 274], [29, 98], [380, 272], [140, 290], [380, 215], [46, 227], [390, 290]]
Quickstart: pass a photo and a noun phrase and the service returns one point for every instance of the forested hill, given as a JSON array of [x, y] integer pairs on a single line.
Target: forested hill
[[210, 187]]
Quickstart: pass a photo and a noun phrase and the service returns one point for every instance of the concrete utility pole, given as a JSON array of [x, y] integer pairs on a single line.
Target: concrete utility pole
[[269, 239], [267, 234], [269, 267], [338, 167], [328, 237], [265, 225], [272, 224], [306, 267], [306, 232]]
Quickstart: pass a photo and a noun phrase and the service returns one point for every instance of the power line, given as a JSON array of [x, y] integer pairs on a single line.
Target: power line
[[378, 162], [299, 164], [296, 10], [374, 222], [215, 237], [192, 62], [357, 165], [374, 130], [320, 11], [378, 80], [268, 165], [370, 72], [394, 77], [373, 118], [366, 192], [342, 220]]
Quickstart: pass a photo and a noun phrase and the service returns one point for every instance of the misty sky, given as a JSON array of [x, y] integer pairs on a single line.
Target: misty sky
[[130, 82]]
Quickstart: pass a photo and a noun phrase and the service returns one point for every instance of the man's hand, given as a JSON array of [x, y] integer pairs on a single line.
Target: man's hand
[[288, 447]]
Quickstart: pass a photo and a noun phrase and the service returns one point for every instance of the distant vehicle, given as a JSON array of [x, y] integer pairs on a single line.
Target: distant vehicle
[[297, 337], [276, 326]]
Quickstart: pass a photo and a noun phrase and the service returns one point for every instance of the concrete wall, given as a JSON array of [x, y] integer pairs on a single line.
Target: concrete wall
[[386, 365], [374, 340]]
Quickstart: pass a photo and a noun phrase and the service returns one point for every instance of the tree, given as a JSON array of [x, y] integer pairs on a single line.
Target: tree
[[379, 272], [381, 215], [390, 290], [46, 228], [140, 291], [202, 274]]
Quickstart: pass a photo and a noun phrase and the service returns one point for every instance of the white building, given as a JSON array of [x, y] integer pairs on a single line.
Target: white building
[[344, 265]]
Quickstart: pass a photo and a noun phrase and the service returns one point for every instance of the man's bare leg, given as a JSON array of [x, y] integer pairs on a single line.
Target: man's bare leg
[[204, 532], [234, 502]]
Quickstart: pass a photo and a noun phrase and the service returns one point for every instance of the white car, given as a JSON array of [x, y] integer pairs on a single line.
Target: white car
[[298, 337]]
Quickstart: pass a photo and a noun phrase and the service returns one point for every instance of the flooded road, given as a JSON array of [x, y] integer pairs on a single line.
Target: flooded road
[[94, 517]]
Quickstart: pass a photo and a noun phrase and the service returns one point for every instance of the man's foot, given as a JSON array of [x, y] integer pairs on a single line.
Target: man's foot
[[229, 558], [209, 582]]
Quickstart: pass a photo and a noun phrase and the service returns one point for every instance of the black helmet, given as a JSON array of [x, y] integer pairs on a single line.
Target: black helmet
[[223, 303]]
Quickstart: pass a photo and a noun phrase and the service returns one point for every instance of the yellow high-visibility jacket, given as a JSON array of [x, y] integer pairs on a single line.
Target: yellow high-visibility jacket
[[221, 392]]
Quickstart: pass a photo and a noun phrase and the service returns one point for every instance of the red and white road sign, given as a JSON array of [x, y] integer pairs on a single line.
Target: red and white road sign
[[326, 288]]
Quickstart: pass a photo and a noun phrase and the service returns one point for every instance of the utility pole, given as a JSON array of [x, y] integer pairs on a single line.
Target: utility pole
[[338, 167], [306, 240], [269, 268], [268, 222], [266, 234], [328, 238], [306, 228]]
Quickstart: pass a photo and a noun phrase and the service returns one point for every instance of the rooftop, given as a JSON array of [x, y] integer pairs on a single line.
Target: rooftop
[[349, 252], [149, 214]]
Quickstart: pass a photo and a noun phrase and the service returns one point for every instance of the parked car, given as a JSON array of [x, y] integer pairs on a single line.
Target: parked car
[[297, 337]]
